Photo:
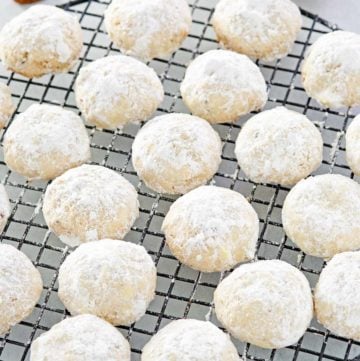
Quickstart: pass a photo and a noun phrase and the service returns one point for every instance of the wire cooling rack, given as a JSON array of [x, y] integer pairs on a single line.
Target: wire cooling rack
[[181, 292]]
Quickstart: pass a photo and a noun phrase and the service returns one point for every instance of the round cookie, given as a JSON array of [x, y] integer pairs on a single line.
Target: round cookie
[[112, 279], [266, 303], [20, 287], [336, 295], [148, 29], [44, 141], [261, 29], [174, 153], [88, 203], [211, 229], [81, 338], [221, 85], [353, 145], [188, 339], [116, 90], [43, 39], [331, 70], [321, 215], [6, 105], [279, 146], [5, 209]]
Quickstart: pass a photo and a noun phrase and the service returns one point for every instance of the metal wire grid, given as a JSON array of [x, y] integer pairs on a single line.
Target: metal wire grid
[[181, 292]]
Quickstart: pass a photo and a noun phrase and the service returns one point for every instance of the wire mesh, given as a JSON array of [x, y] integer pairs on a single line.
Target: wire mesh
[[181, 292]]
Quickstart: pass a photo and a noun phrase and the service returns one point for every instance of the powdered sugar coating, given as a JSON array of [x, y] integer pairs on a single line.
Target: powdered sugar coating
[[336, 295], [174, 153], [43, 39], [44, 141], [88, 203], [81, 338], [221, 85], [112, 279], [5, 209], [321, 215], [331, 69], [20, 287], [148, 29], [211, 229], [6, 105], [190, 340], [353, 145], [264, 29], [279, 146], [116, 90], [266, 303]]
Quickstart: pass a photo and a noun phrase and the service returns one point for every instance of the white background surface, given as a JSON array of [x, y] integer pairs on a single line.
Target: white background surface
[[345, 13]]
